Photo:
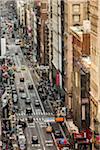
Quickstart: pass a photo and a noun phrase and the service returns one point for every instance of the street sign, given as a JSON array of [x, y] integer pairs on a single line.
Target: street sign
[[42, 67], [51, 119]]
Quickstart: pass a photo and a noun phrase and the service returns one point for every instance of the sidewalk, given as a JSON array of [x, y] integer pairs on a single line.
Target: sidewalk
[[35, 76], [0, 129]]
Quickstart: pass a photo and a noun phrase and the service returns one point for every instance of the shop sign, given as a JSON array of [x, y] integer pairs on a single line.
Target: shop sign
[[78, 135], [57, 78], [86, 141], [88, 134]]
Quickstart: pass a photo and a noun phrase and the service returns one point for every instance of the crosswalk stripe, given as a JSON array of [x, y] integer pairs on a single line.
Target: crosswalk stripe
[[35, 113]]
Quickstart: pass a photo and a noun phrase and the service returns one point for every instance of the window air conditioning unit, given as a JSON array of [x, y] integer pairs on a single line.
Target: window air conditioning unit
[[66, 34], [64, 59], [65, 73]]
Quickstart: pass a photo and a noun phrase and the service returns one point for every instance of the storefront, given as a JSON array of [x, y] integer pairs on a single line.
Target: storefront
[[83, 140]]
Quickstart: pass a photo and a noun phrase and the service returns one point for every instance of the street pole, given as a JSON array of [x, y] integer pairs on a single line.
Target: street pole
[[0, 96]]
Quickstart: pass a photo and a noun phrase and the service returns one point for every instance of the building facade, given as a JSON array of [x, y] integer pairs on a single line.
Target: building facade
[[56, 30], [94, 14], [74, 14]]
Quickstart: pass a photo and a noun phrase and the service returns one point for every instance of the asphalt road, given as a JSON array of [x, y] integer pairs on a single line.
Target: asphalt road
[[38, 127]]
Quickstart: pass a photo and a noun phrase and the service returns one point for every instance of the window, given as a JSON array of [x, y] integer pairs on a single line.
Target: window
[[76, 18], [83, 112], [76, 79], [43, 5], [76, 8]]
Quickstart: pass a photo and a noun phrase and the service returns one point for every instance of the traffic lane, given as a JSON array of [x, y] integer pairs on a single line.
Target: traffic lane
[[48, 137], [29, 131], [32, 130], [40, 136], [21, 102], [28, 71]]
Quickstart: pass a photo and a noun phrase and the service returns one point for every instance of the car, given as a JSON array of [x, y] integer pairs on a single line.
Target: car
[[13, 89], [14, 92], [30, 86], [57, 133], [15, 98], [49, 143], [29, 110], [22, 79], [30, 119], [28, 101], [49, 129], [22, 122], [23, 95], [16, 53], [21, 89], [37, 103], [34, 140], [24, 53], [22, 67]]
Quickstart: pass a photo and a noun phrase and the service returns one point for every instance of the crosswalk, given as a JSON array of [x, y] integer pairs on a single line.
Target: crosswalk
[[23, 113], [33, 124], [38, 117]]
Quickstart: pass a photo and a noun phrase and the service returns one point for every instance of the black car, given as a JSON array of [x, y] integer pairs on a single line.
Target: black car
[[30, 86], [29, 110], [57, 133], [30, 119], [16, 53], [22, 122], [22, 79], [34, 140]]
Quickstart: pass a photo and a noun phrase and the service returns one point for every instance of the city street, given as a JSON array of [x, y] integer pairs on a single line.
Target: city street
[[49, 75], [38, 126]]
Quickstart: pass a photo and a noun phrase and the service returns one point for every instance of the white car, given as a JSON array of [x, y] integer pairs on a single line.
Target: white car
[[49, 143], [23, 96]]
